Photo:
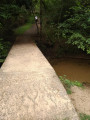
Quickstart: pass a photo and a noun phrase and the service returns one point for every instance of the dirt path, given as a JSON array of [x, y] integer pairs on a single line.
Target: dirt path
[[81, 99]]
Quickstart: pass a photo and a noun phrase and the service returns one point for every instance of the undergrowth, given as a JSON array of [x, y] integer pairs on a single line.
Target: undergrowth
[[20, 30], [68, 83], [84, 116]]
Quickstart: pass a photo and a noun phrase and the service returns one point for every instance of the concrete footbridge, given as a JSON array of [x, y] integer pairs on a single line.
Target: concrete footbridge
[[29, 86]]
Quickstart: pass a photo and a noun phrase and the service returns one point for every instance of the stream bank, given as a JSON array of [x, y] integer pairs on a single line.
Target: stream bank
[[76, 70]]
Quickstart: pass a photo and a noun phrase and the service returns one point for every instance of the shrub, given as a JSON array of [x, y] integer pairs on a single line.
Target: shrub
[[76, 28], [10, 17], [4, 48]]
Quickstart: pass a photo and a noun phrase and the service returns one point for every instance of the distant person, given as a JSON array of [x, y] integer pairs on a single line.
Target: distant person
[[36, 20]]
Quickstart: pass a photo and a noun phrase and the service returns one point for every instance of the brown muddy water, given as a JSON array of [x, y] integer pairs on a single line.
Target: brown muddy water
[[74, 69]]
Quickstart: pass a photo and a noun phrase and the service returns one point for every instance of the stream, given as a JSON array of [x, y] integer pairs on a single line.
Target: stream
[[74, 69]]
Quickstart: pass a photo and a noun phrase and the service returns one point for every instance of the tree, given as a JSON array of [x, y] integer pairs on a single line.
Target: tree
[[69, 20]]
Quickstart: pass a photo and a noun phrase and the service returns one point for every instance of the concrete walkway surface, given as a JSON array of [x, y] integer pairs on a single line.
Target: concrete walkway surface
[[29, 86]]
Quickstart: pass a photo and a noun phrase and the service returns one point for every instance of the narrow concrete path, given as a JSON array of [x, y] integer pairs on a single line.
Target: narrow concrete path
[[29, 86]]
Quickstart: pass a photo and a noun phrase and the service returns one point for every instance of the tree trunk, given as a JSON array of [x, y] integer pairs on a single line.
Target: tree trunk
[[40, 19]]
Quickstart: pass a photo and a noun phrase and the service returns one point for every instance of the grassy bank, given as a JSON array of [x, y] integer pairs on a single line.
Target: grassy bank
[[84, 116], [68, 83], [20, 30]]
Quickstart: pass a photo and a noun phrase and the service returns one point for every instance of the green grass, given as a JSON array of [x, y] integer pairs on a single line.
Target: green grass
[[1, 60], [68, 83], [20, 30], [84, 116]]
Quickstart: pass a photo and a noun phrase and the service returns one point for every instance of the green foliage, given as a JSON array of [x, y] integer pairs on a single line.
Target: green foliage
[[76, 28], [67, 83], [29, 4], [20, 30], [72, 23], [4, 48], [49, 31], [84, 116], [70, 83], [80, 41], [11, 16], [52, 6]]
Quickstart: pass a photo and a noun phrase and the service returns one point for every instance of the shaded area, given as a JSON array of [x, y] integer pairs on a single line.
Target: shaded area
[[74, 69]]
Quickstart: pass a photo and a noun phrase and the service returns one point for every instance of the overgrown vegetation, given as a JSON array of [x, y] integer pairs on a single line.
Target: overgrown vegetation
[[68, 83], [68, 24], [20, 30], [76, 27], [13, 14]]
